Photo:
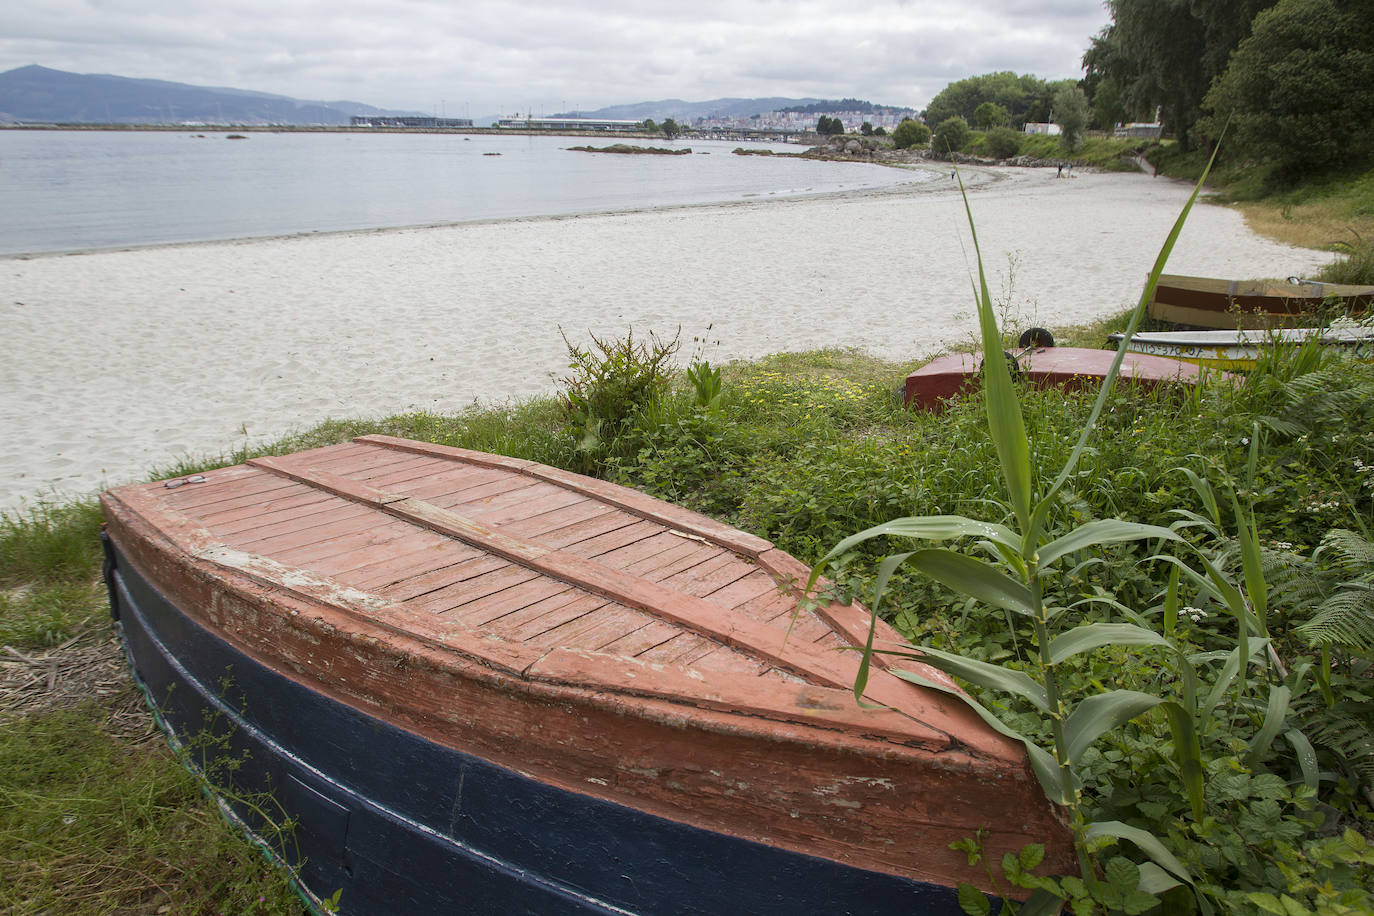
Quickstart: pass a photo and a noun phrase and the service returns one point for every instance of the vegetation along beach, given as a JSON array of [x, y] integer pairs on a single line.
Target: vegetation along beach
[[1165, 596]]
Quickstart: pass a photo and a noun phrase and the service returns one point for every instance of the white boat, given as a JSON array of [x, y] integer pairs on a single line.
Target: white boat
[[1240, 349]]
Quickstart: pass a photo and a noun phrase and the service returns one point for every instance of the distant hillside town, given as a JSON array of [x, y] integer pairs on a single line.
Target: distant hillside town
[[805, 121]]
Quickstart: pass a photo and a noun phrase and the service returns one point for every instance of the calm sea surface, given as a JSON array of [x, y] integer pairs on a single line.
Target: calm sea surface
[[70, 190]]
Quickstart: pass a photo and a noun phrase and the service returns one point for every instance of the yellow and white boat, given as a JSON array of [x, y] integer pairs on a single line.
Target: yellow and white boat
[[1204, 302]]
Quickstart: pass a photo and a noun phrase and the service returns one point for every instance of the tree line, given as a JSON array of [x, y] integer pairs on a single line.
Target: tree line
[[1291, 80]]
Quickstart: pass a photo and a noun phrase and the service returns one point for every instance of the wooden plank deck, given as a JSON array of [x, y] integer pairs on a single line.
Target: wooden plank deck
[[522, 554]]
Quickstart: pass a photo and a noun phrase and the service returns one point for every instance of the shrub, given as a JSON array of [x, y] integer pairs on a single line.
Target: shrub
[[1002, 143], [909, 134], [951, 136], [612, 383]]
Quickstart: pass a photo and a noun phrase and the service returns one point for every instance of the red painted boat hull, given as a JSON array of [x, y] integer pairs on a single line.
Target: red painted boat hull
[[1070, 368]]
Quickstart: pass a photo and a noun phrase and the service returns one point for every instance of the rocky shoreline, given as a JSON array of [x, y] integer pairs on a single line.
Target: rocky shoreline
[[627, 149]]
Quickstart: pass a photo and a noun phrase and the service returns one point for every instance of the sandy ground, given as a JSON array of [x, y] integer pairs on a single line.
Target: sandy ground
[[124, 360]]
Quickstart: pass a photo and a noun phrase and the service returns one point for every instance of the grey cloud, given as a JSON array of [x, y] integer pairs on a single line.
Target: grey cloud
[[500, 55]]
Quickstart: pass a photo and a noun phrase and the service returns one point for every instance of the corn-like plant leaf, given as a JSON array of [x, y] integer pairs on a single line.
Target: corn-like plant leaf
[[1155, 880], [1229, 672], [975, 578], [1005, 424], [1048, 500], [1044, 765], [1217, 587], [1171, 603], [1094, 635], [1307, 757], [1127, 612], [885, 569], [1250, 560], [1105, 531], [1206, 494], [986, 674], [1147, 842], [1094, 717], [927, 527], [1275, 712], [1187, 754]]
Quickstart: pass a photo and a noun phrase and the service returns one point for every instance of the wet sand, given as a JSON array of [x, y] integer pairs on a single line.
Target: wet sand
[[125, 360]]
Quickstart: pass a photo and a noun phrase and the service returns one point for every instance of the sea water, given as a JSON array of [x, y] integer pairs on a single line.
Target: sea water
[[77, 190]]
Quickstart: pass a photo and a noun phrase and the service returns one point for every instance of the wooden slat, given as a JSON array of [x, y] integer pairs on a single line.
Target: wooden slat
[[197, 496], [471, 499], [428, 559], [481, 612], [550, 500], [373, 537], [559, 538], [803, 703], [214, 480], [397, 476], [635, 644], [536, 526], [307, 529], [516, 503], [231, 520], [536, 620], [720, 659], [623, 497], [356, 462], [703, 553], [594, 547], [702, 579], [459, 593], [640, 551], [128, 509], [682, 609], [672, 652], [568, 633], [401, 552], [454, 480], [424, 583], [753, 584]]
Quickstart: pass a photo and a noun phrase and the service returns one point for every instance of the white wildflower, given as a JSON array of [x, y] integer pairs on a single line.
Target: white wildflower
[[1195, 614]]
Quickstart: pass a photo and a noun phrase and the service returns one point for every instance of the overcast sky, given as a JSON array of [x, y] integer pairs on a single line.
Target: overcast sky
[[483, 57]]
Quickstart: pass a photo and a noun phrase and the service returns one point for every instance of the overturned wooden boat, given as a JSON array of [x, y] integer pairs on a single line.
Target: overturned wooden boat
[[1204, 302], [1070, 368], [481, 684], [1241, 349]]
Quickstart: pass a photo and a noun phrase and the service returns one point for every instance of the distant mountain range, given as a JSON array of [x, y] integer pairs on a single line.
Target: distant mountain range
[[42, 95], [36, 94]]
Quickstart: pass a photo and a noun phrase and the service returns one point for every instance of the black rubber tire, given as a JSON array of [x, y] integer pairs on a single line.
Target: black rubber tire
[[1013, 365], [1035, 337]]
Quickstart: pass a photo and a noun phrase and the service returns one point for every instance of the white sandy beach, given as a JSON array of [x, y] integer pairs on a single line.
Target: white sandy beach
[[124, 360]]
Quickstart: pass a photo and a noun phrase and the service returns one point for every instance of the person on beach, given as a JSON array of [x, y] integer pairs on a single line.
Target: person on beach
[[1061, 171]]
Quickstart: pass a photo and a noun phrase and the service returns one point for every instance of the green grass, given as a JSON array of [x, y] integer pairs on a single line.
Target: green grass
[[1098, 151], [804, 449], [91, 823], [49, 543]]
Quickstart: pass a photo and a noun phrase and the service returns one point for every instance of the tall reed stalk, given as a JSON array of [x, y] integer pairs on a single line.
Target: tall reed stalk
[[1023, 554]]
